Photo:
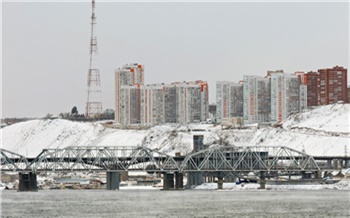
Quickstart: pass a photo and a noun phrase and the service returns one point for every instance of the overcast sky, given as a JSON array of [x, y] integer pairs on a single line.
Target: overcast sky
[[45, 46]]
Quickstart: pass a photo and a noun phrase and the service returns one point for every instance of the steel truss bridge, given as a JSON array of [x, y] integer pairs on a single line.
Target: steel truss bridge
[[214, 159]]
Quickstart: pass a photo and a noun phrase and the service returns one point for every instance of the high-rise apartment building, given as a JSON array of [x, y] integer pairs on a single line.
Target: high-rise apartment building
[[191, 102], [312, 88], [129, 105], [170, 103], [152, 105], [147, 105], [285, 96], [333, 85], [128, 75], [256, 99], [204, 96], [302, 91], [229, 100], [327, 86]]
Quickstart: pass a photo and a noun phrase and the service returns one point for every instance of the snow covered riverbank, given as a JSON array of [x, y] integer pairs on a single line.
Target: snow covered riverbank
[[324, 131], [341, 185]]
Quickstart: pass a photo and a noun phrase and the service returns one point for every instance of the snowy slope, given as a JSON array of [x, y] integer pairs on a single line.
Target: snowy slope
[[322, 131], [29, 138], [332, 118]]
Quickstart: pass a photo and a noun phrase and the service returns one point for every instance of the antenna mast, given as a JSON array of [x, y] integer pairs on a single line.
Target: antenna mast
[[93, 104]]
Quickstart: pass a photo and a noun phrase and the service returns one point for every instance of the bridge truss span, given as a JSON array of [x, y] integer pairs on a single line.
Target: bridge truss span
[[214, 159], [87, 158], [251, 158], [11, 161]]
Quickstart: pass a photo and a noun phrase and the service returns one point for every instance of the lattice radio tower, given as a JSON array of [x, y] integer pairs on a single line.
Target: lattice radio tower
[[93, 104]]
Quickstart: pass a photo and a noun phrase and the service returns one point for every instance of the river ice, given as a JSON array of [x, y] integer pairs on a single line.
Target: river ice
[[188, 203]]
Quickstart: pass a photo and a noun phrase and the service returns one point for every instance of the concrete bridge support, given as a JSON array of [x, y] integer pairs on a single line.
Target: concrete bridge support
[[346, 164], [318, 175], [27, 182], [305, 175], [113, 179], [262, 180], [195, 178], [336, 164], [220, 182], [179, 178], [168, 181], [329, 164]]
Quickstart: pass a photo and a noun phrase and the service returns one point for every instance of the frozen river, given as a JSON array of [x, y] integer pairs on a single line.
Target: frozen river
[[189, 203]]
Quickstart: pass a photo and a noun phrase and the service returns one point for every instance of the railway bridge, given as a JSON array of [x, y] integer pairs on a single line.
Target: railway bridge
[[216, 161]]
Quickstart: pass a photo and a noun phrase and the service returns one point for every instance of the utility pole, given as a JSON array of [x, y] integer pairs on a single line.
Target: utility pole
[[93, 104]]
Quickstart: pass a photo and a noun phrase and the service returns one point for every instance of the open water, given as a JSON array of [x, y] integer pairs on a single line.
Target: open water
[[189, 203]]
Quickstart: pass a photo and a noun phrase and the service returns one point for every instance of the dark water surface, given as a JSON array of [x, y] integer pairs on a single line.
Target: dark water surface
[[156, 203]]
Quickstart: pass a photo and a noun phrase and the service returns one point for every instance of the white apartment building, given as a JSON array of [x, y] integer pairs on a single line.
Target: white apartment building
[[256, 99], [229, 100], [128, 75], [191, 102], [302, 91], [153, 104], [288, 96]]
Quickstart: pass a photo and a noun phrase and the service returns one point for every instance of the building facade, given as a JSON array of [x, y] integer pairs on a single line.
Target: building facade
[[128, 75], [152, 105], [229, 100], [312, 88], [333, 85], [302, 91], [192, 102], [147, 105], [256, 99], [327, 86], [286, 96]]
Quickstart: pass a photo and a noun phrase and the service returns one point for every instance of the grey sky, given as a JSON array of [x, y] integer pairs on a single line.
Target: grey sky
[[45, 46]]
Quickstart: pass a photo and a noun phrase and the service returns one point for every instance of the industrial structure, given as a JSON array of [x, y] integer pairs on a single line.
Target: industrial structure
[[222, 162], [93, 105], [152, 104]]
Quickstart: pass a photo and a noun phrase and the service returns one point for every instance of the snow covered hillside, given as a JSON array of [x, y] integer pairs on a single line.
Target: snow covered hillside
[[321, 131]]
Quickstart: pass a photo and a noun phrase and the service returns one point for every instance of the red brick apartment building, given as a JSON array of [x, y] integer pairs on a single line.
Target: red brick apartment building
[[327, 86], [312, 85]]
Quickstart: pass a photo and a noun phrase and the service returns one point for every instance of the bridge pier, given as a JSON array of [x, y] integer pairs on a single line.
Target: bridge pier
[[27, 182], [168, 181], [329, 164], [346, 164], [262, 180], [195, 178], [113, 179], [335, 164], [179, 178], [220, 182], [318, 174]]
